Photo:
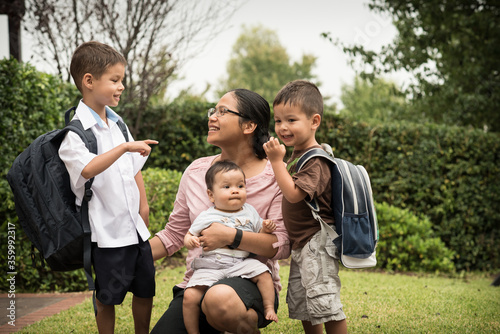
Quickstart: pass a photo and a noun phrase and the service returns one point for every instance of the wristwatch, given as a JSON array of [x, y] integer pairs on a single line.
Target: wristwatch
[[237, 239]]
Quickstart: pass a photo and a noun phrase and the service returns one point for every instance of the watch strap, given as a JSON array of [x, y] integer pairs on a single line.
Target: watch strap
[[237, 239]]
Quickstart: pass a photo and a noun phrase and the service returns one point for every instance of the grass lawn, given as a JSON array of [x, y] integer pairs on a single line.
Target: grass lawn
[[373, 302]]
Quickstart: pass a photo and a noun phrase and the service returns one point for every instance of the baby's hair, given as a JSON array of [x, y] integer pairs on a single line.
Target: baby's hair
[[218, 167], [303, 94], [95, 58]]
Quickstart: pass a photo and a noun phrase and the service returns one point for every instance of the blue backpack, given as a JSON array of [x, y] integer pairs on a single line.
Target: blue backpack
[[356, 230]]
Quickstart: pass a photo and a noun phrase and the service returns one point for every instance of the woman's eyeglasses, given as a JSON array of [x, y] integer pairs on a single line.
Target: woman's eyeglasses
[[219, 112]]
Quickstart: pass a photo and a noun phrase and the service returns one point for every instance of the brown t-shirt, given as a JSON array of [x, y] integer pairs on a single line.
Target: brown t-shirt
[[315, 179]]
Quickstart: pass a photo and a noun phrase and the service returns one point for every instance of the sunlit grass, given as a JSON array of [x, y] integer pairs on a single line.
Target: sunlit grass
[[374, 302]]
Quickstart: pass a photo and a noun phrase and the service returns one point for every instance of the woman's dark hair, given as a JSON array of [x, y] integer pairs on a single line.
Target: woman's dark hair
[[256, 109]]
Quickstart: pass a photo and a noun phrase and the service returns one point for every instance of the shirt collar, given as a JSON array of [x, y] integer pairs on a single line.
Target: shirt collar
[[89, 117]]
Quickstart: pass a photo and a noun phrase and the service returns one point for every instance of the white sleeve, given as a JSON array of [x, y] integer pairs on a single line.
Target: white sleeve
[[137, 158], [256, 219], [75, 156], [200, 223], [139, 161]]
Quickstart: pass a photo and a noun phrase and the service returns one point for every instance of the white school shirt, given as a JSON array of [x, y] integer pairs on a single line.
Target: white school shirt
[[114, 207]]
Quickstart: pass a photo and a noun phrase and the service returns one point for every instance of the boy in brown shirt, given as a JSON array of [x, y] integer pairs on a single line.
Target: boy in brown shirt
[[314, 285]]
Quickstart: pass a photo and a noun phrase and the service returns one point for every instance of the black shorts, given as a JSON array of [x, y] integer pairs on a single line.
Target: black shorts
[[250, 295], [122, 269], [172, 321]]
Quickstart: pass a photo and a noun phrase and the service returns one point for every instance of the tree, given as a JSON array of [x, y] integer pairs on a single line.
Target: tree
[[452, 49], [15, 11], [155, 36], [260, 63], [377, 100]]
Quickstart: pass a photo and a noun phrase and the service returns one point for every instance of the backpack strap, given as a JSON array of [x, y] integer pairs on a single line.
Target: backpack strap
[[90, 142], [327, 232], [123, 127], [120, 124], [312, 153]]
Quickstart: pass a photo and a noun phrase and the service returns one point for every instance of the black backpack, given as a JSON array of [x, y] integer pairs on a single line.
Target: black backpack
[[356, 230], [45, 203]]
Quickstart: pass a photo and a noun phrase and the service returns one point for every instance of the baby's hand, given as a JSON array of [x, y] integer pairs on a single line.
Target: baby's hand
[[268, 226], [193, 242], [274, 150]]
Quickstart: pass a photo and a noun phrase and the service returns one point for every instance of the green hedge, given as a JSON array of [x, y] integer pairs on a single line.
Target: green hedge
[[181, 129], [161, 187], [161, 190], [31, 103], [450, 174], [408, 243]]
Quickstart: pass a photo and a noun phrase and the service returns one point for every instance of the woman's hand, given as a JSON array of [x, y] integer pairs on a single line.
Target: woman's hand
[[217, 236]]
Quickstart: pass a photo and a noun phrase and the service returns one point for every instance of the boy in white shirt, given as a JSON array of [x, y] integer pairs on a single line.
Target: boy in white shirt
[[118, 210]]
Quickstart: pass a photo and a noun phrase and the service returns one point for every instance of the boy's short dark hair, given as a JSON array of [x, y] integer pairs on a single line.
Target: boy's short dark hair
[[303, 94], [95, 58], [218, 167]]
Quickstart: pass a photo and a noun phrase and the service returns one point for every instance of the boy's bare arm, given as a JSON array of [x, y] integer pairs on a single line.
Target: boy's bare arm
[[275, 153], [143, 205], [101, 162]]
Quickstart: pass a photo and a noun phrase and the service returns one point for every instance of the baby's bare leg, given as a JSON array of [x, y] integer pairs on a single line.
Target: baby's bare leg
[[265, 284], [191, 308]]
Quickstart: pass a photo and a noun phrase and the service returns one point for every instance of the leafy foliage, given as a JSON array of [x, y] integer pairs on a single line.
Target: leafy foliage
[[408, 243], [260, 63], [375, 101], [156, 37], [450, 174], [452, 50], [31, 103], [161, 188], [181, 129]]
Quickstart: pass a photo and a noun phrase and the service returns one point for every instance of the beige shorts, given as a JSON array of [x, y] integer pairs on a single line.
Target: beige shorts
[[314, 284]]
